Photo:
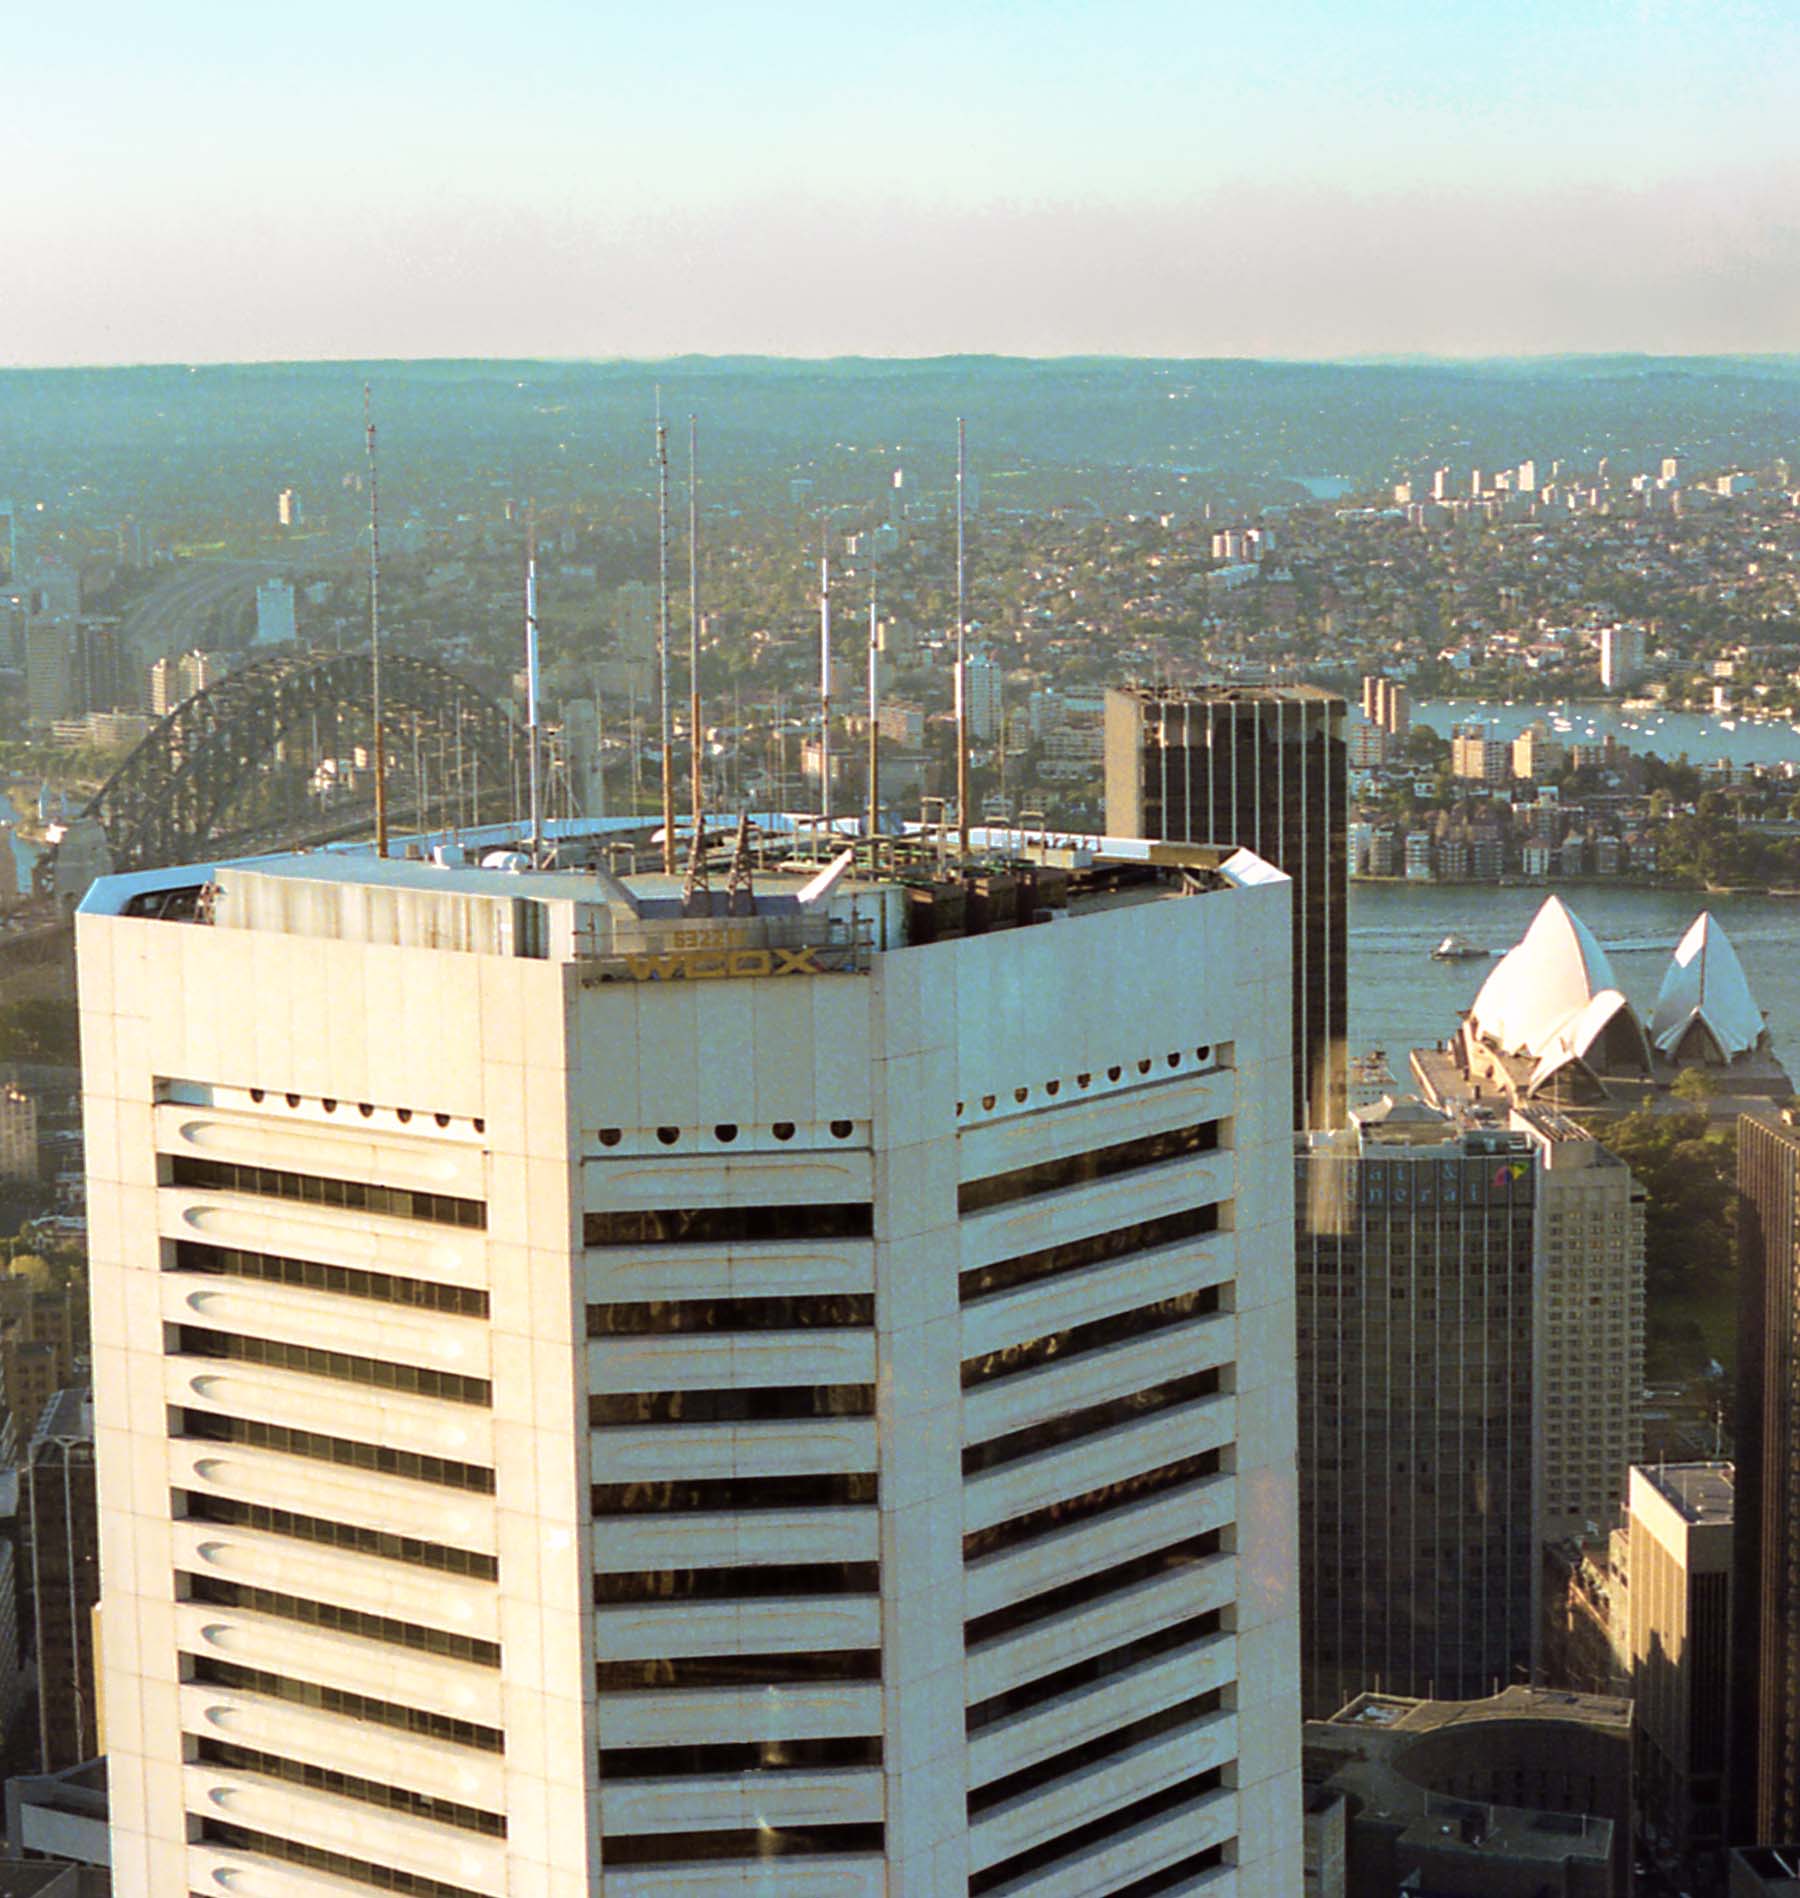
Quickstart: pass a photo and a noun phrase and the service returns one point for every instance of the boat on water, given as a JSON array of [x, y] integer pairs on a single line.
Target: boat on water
[[1457, 949]]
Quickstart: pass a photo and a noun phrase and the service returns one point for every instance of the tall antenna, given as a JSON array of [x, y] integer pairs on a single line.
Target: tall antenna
[[662, 640], [531, 687], [695, 740], [962, 640], [381, 823], [825, 689], [874, 709]]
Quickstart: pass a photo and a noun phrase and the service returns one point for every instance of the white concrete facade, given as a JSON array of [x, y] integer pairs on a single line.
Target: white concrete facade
[[563, 1436]]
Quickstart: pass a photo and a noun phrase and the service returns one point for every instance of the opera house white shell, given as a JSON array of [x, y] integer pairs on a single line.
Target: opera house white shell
[[1704, 1009], [1553, 996]]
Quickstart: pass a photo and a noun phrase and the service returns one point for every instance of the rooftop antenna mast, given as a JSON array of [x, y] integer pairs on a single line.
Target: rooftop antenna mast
[[380, 756], [962, 640], [531, 687], [825, 689], [874, 709], [695, 740], [662, 639]]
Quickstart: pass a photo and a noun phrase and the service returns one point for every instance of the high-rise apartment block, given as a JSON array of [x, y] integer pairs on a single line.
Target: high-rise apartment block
[[1387, 704], [57, 1500], [986, 706], [1622, 657], [18, 1133], [275, 624], [769, 1391], [1261, 767]]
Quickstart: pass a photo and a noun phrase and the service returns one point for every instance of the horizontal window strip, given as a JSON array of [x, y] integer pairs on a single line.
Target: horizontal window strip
[[1096, 1832], [730, 1225], [1028, 1612], [1075, 1255], [730, 1757], [1173, 1877], [1104, 1746], [220, 1592], [201, 1341], [274, 1268], [774, 1403], [740, 1670], [208, 1671], [725, 1493], [230, 1757], [750, 1582], [1056, 1346], [254, 1434], [228, 1510], [317, 1858], [1098, 1667], [316, 1189], [1073, 1425], [1083, 1169], [758, 1842], [1037, 1523], [669, 1317]]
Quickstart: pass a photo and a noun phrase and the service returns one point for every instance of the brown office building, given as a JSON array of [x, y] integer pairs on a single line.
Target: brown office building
[[1263, 767]]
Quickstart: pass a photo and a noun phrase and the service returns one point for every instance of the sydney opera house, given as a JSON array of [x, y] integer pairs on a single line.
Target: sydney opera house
[[1552, 1025]]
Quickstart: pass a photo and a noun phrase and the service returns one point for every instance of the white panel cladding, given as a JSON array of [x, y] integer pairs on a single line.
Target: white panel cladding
[[624, 1545], [376, 1668], [704, 1803], [659, 1453], [351, 1826], [458, 1518], [342, 1152], [1005, 1404], [1083, 1212], [765, 1878], [726, 1715], [1065, 1555], [736, 1360], [1111, 1456], [766, 1625], [371, 1584], [1090, 1713], [724, 1177], [643, 1274], [213, 1868], [1147, 1847], [1077, 1634], [357, 1413], [1104, 1114], [290, 1314], [368, 1242], [385, 1755]]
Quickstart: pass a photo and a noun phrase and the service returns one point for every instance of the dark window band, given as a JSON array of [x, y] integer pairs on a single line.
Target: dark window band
[[680, 1848], [1098, 1667], [317, 1189], [748, 1583], [780, 1403], [347, 1281], [326, 1779], [292, 1852], [1097, 1831], [737, 1756], [1074, 1255], [336, 1535], [1081, 1169], [740, 1670], [1173, 1877], [209, 1672], [729, 1225], [1045, 1772], [441, 1470], [1055, 1346], [733, 1492], [200, 1341], [1031, 1609], [1090, 1503], [1073, 1425], [667, 1318], [222, 1593]]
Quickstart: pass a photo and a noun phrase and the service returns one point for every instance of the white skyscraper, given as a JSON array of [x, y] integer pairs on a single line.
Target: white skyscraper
[[986, 705], [607, 1394]]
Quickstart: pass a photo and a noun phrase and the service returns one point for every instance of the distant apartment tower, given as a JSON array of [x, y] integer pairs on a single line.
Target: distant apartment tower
[[175, 680], [63, 1533], [1679, 1518], [1441, 485], [1386, 703], [18, 1133], [1263, 767], [1621, 657], [622, 1396], [986, 707], [287, 508], [1478, 759], [275, 624], [1765, 1750]]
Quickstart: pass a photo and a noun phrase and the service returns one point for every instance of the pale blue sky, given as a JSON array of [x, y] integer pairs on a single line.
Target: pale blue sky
[[202, 180]]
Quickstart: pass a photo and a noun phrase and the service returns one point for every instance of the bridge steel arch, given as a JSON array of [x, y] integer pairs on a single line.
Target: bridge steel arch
[[170, 800]]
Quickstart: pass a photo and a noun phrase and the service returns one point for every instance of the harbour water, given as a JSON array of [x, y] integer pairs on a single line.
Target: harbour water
[[1400, 999], [1702, 736]]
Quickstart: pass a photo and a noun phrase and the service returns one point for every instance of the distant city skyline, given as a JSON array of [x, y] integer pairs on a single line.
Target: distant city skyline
[[1136, 178]]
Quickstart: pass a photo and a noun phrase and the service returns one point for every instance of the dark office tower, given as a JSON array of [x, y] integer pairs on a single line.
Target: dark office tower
[[1765, 1752], [64, 1576], [1418, 1570], [1261, 766]]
